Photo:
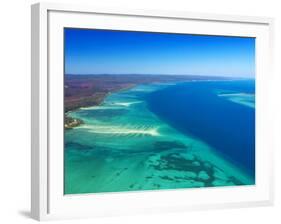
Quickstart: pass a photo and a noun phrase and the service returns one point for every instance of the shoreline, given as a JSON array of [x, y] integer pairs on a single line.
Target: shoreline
[[72, 122], [167, 161]]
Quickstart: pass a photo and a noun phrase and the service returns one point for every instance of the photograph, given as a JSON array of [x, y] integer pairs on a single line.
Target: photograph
[[146, 111]]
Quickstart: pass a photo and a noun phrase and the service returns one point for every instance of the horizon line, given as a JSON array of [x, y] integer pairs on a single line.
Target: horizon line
[[249, 77]]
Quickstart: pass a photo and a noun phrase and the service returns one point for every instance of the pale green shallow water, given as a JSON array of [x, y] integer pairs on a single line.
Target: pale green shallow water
[[124, 147], [241, 98]]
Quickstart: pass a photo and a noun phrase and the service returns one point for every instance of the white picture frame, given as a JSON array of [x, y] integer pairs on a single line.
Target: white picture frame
[[47, 199]]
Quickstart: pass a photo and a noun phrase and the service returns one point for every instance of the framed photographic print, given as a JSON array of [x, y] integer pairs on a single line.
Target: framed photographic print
[[148, 111]]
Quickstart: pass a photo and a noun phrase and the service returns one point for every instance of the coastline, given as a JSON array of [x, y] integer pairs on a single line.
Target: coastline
[[107, 86], [72, 122], [167, 160]]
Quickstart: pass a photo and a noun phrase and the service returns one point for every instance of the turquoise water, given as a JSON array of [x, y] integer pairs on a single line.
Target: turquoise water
[[124, 146]]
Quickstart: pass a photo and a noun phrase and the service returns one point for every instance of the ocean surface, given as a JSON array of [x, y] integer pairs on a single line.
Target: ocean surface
[[164, 136]]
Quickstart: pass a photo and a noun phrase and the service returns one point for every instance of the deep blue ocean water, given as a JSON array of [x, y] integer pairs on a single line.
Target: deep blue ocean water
[[195, 108]]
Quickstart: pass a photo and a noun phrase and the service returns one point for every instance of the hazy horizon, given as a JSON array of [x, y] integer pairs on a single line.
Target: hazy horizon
[[237, 77], [101, 52]]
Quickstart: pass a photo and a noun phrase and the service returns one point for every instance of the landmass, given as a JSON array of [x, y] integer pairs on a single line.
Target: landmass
[[90, 90], [70, 122]]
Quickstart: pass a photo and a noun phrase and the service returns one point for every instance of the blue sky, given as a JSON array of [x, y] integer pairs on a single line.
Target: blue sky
[[124, 52]]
